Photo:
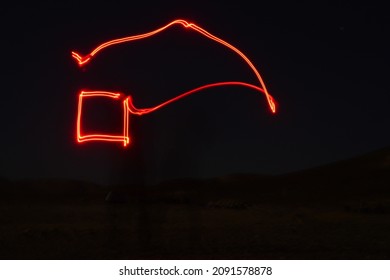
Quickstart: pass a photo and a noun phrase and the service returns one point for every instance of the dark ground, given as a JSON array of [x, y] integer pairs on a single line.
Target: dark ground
[[338, 211]]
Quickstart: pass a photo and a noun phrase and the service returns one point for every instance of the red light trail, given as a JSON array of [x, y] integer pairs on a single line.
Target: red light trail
[[132, 109], [103, 137], [128, 106]]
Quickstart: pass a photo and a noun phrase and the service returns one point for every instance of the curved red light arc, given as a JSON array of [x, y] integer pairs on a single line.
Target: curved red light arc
[[84, 59], [132, 109], [129, 108]]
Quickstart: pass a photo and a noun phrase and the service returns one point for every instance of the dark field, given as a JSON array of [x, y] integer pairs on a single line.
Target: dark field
[[339, 211]]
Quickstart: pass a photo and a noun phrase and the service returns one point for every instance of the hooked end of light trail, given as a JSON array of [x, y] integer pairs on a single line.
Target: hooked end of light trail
[[81, 60]]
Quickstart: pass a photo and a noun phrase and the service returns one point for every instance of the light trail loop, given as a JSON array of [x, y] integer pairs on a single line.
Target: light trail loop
[[82, 60], [129, 108]]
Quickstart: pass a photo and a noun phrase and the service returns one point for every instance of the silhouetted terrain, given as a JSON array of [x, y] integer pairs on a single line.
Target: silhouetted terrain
[[337, 211]]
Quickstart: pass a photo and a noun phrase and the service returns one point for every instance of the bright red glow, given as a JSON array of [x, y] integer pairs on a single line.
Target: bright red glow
[[81, 60], [129, 108], [127, 102], [133, 110], [102, 137]]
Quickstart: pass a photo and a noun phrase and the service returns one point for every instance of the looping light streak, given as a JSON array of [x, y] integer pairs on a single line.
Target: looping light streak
[[127, 102], [129, 108], [103, 137], [132, 109], [84, 59]]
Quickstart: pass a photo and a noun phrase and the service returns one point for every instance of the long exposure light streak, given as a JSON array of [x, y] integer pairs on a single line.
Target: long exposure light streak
[[127, 102], [84, 59], [129, 108], [133, 110], [103, 137]]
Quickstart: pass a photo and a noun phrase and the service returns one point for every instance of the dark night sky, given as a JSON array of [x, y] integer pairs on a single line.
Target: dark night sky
[[325, 64]]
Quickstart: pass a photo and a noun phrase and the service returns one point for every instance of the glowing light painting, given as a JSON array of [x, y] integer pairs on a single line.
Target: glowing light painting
[[127, 102]]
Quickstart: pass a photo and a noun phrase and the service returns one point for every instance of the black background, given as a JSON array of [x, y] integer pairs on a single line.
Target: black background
[[325, 64]]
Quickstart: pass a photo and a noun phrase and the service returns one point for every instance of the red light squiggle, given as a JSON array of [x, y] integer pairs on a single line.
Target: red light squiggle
[[103, 137], [132, 109], [129, 108], [84, 59]]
